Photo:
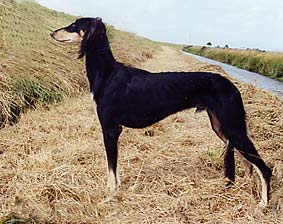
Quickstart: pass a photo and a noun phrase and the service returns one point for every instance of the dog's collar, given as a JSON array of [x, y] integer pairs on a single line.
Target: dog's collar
[[102, 50]]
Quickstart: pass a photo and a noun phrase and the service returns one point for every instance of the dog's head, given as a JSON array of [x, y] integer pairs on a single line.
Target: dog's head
[[83, 31]]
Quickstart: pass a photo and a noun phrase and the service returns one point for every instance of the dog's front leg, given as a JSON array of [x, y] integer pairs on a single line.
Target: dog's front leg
[[111, 136]]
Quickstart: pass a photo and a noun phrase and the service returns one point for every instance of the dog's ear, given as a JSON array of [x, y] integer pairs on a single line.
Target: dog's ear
[[90, 31], [95, 29]]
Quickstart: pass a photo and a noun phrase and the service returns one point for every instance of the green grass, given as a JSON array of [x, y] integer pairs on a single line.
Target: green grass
[[34, 69], [15, 219], [265, 63]]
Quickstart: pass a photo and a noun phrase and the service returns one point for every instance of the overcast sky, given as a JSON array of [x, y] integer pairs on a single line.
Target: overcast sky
[[238, 23]]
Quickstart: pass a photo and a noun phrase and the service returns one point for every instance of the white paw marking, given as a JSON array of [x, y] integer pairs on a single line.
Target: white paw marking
[[113, 181]]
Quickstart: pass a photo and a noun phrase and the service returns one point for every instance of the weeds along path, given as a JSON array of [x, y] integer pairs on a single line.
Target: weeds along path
[[53, 168]]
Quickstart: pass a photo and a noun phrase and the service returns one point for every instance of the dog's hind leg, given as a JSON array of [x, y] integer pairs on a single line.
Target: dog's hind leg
[[111, 136], [229, 159], [229, 165], [231, 120], [216, 125], [248, 166]]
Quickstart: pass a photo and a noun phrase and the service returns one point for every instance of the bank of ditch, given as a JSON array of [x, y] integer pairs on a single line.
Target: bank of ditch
[[265, 63]]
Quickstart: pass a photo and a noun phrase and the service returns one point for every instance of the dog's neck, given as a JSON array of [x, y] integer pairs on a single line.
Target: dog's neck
[[98, 52], [99, 64], [100, 55]]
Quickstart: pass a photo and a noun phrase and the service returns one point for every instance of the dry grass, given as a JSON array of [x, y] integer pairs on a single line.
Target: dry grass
[[53, 167]]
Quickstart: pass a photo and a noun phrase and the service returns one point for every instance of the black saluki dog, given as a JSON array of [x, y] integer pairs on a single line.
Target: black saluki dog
[[135, 98]]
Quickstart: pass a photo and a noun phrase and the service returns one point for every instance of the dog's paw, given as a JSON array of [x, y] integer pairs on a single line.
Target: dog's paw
[[229, 184]]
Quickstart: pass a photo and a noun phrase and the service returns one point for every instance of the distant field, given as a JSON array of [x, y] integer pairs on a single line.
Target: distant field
[[265, 63], [35, 69]]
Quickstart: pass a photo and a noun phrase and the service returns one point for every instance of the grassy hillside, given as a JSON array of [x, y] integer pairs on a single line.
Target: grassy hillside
[[35, 69], [265, 63]]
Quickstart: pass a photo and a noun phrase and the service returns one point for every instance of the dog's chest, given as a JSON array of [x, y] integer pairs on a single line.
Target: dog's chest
[[93, 100]]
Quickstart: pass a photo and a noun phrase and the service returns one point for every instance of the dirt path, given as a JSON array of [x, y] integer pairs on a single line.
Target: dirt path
[[172, 60], [166, 60], [52, 167]]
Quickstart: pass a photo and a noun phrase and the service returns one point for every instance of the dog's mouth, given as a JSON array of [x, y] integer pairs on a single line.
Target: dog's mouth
[[66, 37], [64, 41], [62, 36]]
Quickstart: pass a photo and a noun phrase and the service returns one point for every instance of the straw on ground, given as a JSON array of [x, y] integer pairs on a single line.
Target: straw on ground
[[53, 164]]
